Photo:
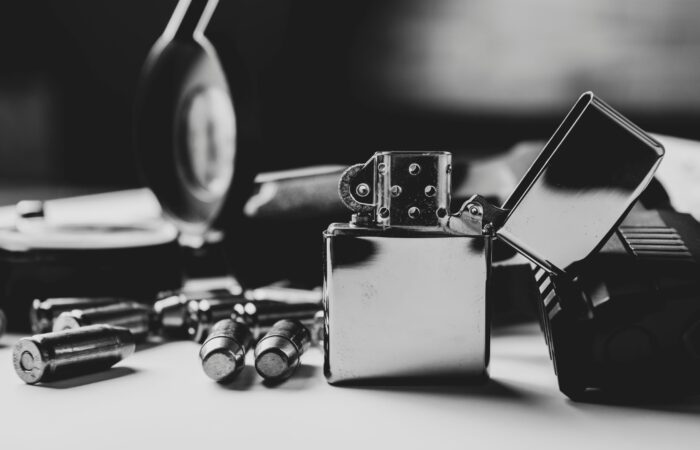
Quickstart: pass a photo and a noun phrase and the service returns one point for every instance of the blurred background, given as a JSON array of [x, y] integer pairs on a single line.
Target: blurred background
[[338, 80]]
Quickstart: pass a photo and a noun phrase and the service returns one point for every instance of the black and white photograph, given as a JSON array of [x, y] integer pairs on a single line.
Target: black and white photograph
[[388, 224]]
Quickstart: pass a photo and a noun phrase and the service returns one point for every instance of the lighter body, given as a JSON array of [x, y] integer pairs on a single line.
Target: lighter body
[[405, 304]]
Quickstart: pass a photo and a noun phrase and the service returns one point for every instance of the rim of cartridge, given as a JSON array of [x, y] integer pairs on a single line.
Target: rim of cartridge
[[66, 321], [29, 360]]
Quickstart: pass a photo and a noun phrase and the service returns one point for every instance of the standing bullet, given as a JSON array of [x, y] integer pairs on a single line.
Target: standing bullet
[[223, 353], [278, 354]]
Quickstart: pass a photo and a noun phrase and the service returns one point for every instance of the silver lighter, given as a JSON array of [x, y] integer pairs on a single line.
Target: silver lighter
[[406, 283]]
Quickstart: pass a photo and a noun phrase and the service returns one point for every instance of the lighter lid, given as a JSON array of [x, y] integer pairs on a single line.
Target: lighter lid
[[580, 187]]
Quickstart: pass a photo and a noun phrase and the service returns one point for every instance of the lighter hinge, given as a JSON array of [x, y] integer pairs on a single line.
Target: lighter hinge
[[476, 216]]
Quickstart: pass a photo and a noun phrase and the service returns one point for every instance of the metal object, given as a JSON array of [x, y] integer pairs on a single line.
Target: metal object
[[223, 353], [285, 294], [43, 312], [133, 316], [30, 216], [278, 353], [172, 314], [404, 306], [261, 315], [204, 313], [318, 329], [192, 313], [628, 325], [185, 314], [64, 354], [410, 281], [215, 285], [3, 322]]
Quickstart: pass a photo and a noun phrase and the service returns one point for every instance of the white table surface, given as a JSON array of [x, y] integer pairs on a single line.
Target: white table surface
[[160, 397]]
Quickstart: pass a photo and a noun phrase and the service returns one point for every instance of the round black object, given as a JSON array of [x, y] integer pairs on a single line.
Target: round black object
[[186, 126], [85, 261]]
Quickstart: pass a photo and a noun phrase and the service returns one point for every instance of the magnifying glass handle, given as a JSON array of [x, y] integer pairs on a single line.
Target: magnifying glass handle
[[190, 19]]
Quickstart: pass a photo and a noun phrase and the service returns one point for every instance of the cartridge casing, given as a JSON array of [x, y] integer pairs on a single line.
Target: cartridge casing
[[44, 311], [203, 313], [134, 316], [261, 315], [64, 354], [192, 314]]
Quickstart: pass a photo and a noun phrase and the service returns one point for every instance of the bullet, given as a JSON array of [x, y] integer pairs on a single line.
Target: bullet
[[223, 353], [44, 312], [64, 354], [191, 315], [171, 315], [278, 354], [204, 313], [261, 315], [133, 316]]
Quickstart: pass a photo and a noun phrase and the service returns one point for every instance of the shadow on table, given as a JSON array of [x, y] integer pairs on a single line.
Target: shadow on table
[[486, 389], [82, 380], [688, 405], [300, 380], [243, 381]]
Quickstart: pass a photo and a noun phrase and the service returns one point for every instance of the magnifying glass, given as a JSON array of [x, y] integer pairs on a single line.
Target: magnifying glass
[[186, 127]]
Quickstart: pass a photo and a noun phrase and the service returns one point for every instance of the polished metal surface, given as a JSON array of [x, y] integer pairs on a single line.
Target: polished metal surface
[[278, 353], [223, 353], [192, 314], [63, 354], [171, 314], [204, 313], [414, 187], [178, 313], [133, 316], [3, 322], [580, 187], [402, 306], [400, 189], [659, 243], [43, 312], [318, 329], [261, 315], [285, 294]]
